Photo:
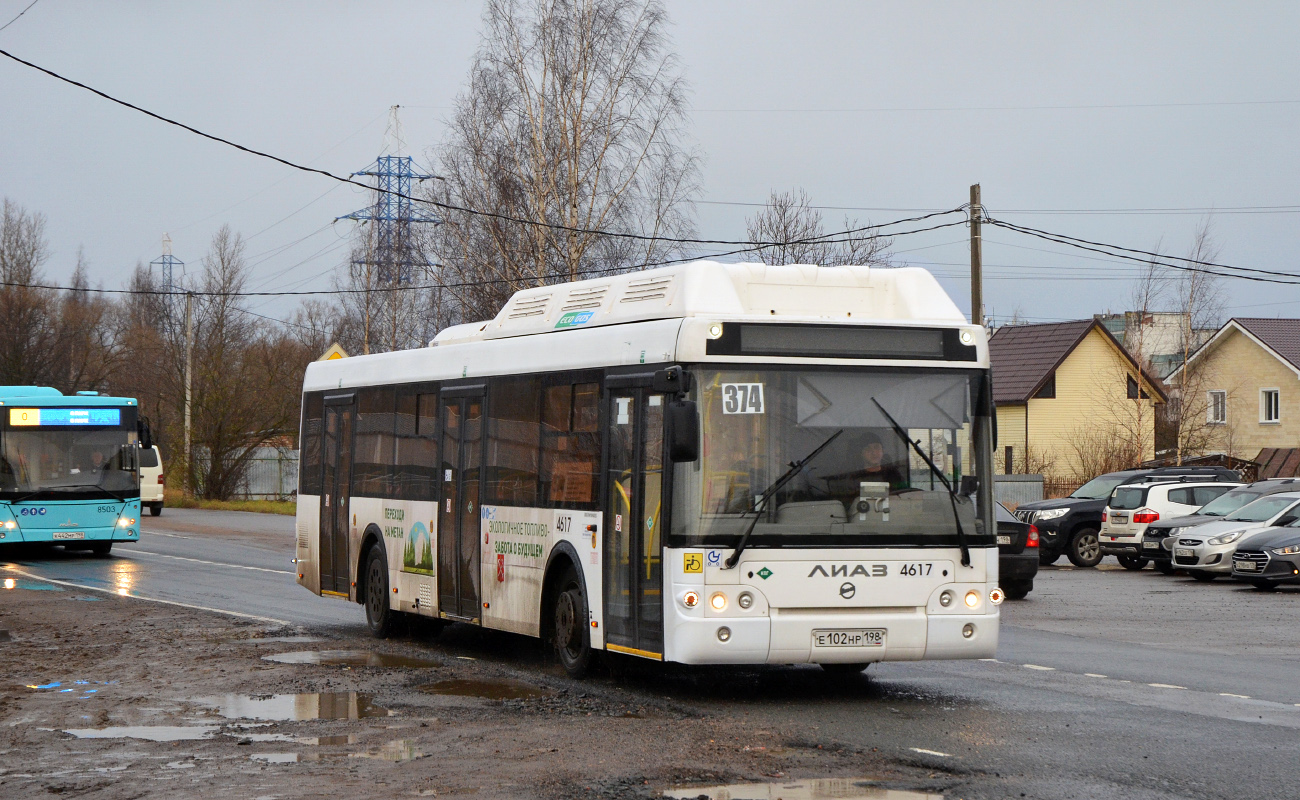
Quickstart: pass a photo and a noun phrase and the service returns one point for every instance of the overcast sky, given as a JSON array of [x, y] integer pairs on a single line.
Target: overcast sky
[[887, 107]]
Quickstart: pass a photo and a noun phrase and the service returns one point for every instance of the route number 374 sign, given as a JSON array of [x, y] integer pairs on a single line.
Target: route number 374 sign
[[742, 398]]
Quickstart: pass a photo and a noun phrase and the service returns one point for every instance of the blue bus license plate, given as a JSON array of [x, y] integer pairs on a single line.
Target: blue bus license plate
[[858, 637]]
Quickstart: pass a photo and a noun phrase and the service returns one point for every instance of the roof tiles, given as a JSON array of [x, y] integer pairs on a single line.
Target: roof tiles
[[1024, 356]]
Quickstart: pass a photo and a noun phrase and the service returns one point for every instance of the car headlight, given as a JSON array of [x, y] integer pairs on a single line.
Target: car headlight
[[1227, 538], [1289, 550], [1051, 513], [1174, 531]]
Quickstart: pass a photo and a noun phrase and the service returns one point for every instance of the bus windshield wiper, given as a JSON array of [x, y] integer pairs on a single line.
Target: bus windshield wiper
[[952, 493], [795, 468]]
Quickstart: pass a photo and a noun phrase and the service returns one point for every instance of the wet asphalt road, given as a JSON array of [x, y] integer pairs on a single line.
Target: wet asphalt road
[[1107, 683]]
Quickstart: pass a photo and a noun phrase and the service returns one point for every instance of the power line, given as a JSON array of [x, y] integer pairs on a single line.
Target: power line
[[435, 203], [20, 13], [1079, 107], [1193, 210]]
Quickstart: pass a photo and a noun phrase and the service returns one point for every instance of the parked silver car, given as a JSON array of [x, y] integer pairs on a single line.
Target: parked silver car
[[1206, 551]]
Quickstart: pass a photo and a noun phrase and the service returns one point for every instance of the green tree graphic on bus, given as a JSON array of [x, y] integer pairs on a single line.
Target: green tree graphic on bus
[[418, 542]]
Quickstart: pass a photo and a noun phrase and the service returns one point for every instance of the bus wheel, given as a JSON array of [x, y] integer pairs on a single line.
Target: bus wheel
[[843, 669], [572, 640], [378, 615], [101, 549]]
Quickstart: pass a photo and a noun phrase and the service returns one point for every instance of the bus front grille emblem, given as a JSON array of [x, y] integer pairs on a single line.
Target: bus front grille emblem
[[847, 590]]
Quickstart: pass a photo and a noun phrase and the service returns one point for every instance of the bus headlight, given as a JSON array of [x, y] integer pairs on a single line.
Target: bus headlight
[[745, 600], [996, 597], [691, 599], [125, 522], [10, 524], [972, 599], [945, 599], [718, 601]]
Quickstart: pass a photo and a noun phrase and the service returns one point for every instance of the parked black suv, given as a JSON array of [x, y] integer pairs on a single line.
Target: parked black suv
[[1069, 525]]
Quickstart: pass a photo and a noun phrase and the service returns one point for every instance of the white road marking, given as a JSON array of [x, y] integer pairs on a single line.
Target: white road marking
[[993, 660], [118, 593], [923, 751], [1166, 686], [1093, 675], [212, 563], [1238, 696], [1044, 669]]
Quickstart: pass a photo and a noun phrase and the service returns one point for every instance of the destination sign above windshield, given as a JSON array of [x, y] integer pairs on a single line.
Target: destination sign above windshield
[[45, 417]]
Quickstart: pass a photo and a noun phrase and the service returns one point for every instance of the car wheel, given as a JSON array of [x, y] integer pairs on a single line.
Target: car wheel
[[1019, 590], [1164, 567], [1048, 556], [101, 549], [1202, 576], [379, 616], [844, 669], [1134, 563], [1084, 549], [1264, 586], [572, 638], [156, 509]]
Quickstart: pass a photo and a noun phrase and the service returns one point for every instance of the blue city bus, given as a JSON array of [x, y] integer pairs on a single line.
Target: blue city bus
[[69, 469]]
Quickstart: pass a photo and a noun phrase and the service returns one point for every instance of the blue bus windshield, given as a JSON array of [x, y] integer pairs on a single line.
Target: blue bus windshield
[[68, 463]]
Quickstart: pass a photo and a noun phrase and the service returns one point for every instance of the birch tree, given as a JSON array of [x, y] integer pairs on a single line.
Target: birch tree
[[789, 220]]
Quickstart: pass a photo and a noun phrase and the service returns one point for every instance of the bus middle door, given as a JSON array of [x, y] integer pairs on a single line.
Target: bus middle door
[[458, 511]]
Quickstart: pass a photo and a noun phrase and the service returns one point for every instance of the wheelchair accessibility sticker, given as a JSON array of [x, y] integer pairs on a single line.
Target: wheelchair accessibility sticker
[[692, 562]]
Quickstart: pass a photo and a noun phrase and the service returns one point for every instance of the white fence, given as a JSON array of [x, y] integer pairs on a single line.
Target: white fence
[[272, 473], [1012, 490]]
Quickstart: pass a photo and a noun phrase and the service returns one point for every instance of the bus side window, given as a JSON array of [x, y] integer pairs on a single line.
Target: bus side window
[[514, 406], [372, 447], [417, 446], [571, 445], [309, 442]]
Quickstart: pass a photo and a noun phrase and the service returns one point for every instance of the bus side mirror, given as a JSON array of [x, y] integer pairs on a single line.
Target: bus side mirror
[[673, 380], [682, 420], [969, 486]]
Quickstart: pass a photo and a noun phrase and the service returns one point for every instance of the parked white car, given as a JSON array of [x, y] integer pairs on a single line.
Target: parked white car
[[1134, 506], [1206, 551], [151, 479]]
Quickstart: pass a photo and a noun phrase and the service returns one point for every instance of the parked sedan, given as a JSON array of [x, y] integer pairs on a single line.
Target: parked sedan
[[1270, 558], [1156, 542], [1206, 553], [1017, 554]]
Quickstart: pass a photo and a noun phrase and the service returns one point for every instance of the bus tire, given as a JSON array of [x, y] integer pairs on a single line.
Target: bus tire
[[844, 669], [569, 626], [101, 549], [379, 616]]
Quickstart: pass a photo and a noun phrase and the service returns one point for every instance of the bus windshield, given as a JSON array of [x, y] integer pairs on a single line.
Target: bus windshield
[[868, 486], [68, 463]]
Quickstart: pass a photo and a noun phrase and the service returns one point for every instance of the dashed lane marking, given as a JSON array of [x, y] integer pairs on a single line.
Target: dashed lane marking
[[925, 752], [1093, 675], [134, 596], [1166, 686], [211, 563], [1238, 696], [1044, 669]]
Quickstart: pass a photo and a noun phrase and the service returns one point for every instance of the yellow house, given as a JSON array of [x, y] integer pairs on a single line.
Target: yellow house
[[1071, 401], [1242, 390]]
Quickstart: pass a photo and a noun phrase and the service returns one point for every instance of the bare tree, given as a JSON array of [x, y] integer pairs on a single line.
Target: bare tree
[[573, 117], [30, 314], [1199, 296], [790, 220]]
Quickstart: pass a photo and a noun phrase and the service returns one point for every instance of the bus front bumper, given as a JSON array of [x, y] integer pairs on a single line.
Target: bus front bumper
[[69, 537]]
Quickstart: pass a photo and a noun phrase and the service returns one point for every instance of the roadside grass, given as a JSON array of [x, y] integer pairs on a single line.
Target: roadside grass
[[286, 507]]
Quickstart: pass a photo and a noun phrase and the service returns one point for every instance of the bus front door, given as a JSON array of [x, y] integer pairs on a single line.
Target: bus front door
[[458, 511], [335, 488], [633, 581]]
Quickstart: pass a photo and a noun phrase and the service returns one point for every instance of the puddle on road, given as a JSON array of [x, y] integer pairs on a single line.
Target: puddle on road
[[297, 707], [153, 733], [491, 690], [815, 789], [349, 658], [35, 586], [397, 751]]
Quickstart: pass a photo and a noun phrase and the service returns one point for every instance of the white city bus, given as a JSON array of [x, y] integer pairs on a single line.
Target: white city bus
[[711, 463]]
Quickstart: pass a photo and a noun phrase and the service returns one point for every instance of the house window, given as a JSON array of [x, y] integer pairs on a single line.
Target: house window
[[1216, 407], [1049, 389], [1134, 392], [1269, 407]]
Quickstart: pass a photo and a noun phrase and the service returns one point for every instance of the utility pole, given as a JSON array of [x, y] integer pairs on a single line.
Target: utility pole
[[189, 362], [976, 259]]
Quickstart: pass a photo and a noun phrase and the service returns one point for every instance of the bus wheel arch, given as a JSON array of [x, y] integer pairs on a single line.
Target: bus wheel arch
[[564, 596]]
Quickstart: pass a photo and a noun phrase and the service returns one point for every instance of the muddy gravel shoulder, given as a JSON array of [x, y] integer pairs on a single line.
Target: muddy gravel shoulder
[[111, 697]]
